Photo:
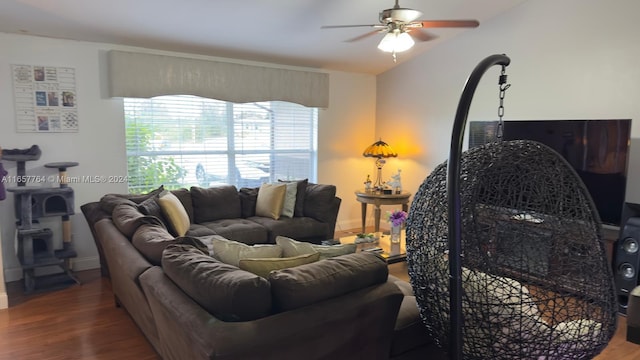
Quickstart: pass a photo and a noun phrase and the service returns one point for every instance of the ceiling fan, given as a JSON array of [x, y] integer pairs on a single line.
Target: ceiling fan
[[398, 23]]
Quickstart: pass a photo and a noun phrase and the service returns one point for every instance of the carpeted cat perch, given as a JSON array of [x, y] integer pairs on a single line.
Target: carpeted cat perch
[[505, 251]]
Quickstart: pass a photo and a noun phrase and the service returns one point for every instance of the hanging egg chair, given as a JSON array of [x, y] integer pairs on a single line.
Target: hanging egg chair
[[505, 252]]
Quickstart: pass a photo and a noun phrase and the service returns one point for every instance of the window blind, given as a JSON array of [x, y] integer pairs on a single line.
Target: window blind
[[183, 140]]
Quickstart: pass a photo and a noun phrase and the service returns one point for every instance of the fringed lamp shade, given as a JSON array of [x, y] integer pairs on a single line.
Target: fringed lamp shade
[[379, 150], [536, 282]]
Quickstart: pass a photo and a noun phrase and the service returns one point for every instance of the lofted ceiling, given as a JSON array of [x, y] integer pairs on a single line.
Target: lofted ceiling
[[276, 31]]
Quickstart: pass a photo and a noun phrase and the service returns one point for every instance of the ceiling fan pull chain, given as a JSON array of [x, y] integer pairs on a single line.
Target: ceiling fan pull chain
[[503, 86]]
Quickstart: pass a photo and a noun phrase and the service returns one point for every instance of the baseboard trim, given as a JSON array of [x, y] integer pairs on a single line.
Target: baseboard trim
[[77, 264], [4, 300]]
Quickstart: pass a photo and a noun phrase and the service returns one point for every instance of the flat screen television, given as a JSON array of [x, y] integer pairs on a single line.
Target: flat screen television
[[597, 149]]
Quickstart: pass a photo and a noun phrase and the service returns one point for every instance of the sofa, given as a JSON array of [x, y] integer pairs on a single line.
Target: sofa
[[190, 305], [231, 213]]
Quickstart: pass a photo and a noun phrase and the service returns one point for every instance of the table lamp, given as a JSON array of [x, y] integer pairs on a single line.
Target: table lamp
[[379, 150]]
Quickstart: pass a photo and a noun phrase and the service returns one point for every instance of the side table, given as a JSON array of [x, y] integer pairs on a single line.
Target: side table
[[378, 200]]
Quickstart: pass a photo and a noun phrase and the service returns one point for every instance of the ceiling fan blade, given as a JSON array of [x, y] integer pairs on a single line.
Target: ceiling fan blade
[[365, 35], [421, 35], [349, 26], [448, 23]]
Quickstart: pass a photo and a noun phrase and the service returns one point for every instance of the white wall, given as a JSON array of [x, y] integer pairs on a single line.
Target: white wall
[[570, 59], [99, 144]]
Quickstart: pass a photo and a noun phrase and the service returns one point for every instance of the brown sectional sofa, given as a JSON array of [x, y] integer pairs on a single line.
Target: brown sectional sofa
[[228, 212], [192, 306]]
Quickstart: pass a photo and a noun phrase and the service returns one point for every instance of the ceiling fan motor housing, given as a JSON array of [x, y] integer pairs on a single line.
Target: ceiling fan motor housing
[[403, 15]]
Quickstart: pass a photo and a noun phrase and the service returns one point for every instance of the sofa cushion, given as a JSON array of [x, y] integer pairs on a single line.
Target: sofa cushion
[[307, 284], [299, 228], [317, 198], [291, 247], [150, 240], [174, 212], [110, 201], [215, 203], [199, 230], [127, 218], [228, 293], [300, 194], [409, 331], [270, 200], [241, 230], [263, 266], [230, 252], [248, 198], [289, 204]]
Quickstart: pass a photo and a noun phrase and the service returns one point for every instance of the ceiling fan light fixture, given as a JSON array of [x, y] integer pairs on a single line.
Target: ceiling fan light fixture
[[396, 41]]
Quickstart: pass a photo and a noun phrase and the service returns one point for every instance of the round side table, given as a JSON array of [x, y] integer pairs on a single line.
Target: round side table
[[377, 200]]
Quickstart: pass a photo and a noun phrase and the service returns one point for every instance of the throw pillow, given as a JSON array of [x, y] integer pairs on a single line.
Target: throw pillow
[[230, 252], [291, 247], [230, 294], [289, 204], [248, 198], [152, 208], [504, 296], [109, 201], [174, 212], [270, 200], [300, 194], [263, 267]]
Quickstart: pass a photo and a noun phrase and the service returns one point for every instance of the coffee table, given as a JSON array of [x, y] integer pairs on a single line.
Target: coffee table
[[393, 253]]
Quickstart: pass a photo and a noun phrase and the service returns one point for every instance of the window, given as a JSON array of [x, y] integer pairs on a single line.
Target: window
[[181, 141]]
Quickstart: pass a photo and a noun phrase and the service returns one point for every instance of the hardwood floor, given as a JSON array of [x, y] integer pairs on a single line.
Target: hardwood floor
[[79, 322], [82, 322]]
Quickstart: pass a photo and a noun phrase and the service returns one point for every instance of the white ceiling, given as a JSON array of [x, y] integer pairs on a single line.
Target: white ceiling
[[276, 31]]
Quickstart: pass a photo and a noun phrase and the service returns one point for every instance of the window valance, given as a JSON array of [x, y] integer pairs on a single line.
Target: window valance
[[142, 75]]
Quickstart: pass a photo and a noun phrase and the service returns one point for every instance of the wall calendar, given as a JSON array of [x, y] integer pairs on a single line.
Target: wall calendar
[[45, 98]]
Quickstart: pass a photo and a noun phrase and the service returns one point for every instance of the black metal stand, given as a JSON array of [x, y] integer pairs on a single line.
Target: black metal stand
[[453, 194]]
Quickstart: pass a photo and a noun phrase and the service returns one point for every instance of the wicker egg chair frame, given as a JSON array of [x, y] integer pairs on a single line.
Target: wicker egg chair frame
[[505, 252]]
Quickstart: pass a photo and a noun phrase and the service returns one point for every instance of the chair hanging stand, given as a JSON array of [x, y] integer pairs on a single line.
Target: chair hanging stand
[[515, 267], [453, 194]]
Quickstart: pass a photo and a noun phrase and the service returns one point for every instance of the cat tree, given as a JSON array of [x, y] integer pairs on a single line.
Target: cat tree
[[35, 245]]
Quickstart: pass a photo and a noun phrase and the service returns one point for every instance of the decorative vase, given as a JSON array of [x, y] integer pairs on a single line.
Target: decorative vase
[[395, 233]]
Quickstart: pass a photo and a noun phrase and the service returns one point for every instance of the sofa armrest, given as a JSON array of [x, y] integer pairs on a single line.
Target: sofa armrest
[[332, 216], [355, 325], [93, 213], [122, 258]]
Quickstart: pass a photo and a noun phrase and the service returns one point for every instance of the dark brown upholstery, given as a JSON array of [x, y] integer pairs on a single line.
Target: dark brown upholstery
[[215, 203], [151, 240], [245, 297], [307, 284]]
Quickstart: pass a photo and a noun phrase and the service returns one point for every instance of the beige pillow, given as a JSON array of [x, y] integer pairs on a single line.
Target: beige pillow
[[270, 200], [291, 247], [289, 199], [262, 267], [231, 252], [174, 212]]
